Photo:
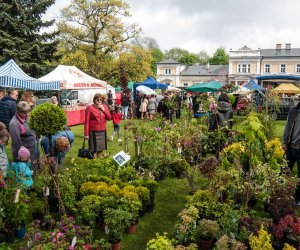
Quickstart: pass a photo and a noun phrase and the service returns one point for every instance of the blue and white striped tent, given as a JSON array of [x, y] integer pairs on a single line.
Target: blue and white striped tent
[[11, 75]]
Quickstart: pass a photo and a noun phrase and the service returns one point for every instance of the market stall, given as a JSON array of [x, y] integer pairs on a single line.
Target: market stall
[[12, 76], [286, 88], [78, 89]]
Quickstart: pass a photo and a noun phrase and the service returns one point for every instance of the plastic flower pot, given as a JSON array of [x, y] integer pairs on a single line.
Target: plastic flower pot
[[20, 232]]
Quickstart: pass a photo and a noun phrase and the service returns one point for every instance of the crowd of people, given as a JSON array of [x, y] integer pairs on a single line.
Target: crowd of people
[[25, 144]]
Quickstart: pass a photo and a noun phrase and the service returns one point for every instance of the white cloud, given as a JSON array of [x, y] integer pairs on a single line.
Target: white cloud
[[206, 25]]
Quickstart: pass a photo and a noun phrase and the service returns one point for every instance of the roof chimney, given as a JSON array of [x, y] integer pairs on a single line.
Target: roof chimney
[[278, 46], [207, 65], [288, 46]]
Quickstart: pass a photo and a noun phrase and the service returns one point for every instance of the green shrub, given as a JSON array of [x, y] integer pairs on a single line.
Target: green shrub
[[161, 242], [47, 119]]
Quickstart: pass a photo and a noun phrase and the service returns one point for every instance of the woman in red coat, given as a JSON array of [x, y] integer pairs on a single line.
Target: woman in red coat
[[96, 116]]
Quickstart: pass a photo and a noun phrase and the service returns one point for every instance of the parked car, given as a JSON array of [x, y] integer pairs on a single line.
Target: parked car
[[280, 111]]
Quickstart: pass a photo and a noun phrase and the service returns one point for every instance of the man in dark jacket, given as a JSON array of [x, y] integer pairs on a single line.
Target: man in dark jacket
[[162, 107], [8, 106], [291, 143]]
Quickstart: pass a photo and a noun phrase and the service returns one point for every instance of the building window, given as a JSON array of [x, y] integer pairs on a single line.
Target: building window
[[282, 68], [185, 84], [168, 71], [243, 68], [298, 68], [267, 68]]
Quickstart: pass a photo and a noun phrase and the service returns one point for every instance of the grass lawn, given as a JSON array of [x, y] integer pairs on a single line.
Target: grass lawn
[[169, 201]]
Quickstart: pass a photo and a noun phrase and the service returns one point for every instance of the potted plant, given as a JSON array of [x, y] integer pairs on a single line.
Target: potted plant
[[160, 242], [116, 221], [206, 231], [132, 207], [186, 226]]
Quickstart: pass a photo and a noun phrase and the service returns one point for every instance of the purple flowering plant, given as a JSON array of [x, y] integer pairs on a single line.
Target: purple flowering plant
[[61, 236]]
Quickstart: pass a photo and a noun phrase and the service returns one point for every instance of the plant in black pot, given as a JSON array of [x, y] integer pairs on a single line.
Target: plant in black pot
[[116, 221], [206, 231]]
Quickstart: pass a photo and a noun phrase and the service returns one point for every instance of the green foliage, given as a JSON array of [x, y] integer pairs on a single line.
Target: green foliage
[[68, 191], [203, 200], [220, 57], [47, 119], [116, 220], [226, 243], [231, 98], [97, 34], [186, 226], [88, 209], [157, 56], [175, 53], [253, 128], [189, 59], [21, 37], [135, 63], [14, 206], [161, 242], [207, 229]]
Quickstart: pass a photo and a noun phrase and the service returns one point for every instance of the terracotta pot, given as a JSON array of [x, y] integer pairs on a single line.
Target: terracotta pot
[[116, 246], [131, 229], [205, 244]]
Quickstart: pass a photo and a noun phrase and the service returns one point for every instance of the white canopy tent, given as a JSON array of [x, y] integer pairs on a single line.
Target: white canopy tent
[[71, 77]]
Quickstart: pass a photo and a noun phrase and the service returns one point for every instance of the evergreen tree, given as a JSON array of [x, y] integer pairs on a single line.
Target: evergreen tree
[[21, 36]]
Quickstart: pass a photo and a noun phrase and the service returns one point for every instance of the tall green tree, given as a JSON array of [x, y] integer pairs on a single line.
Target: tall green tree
[[220, 57], [135, 64], [152, 45], [189, 59], [21, 36], [96, 26], [157, 56], [182, 56]]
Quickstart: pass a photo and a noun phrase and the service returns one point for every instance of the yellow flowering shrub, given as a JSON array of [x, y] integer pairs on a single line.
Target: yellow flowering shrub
[[129, 195], [103, 189], [100, 188], [273, 148], [262, 241], [288, 247], [114, 190], [234, 149], [87, 188], [143, 193], [129, 188]]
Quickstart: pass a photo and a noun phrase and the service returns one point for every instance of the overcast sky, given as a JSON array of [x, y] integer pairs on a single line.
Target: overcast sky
[[198, 25]]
